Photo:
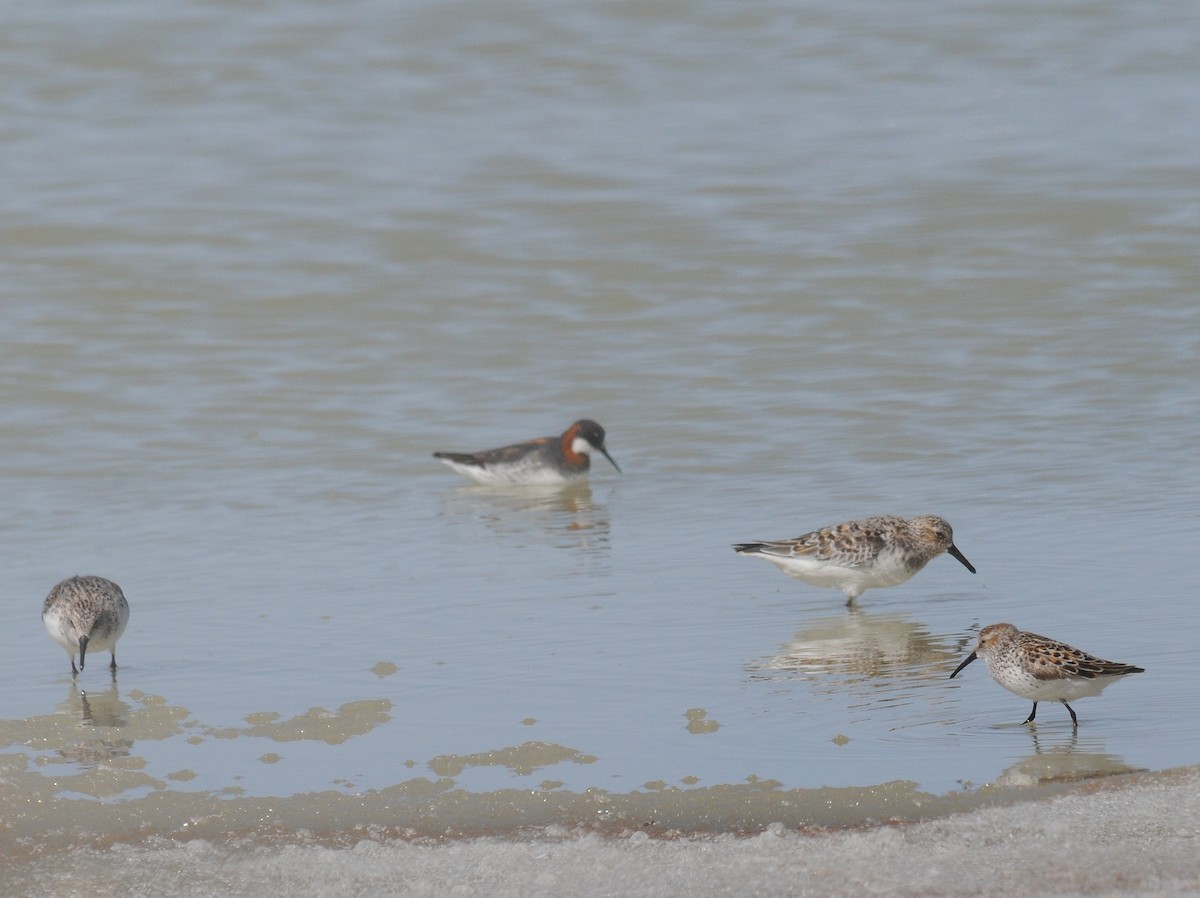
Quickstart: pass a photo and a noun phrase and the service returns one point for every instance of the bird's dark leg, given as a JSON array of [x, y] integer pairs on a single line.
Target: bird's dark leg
[[74, 670], [1074, 719], [1033, 713]]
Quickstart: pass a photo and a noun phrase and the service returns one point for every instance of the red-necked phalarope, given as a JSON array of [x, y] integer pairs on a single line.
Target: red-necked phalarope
[[545, 460], [84, 613], [1041, 669], [879, 551]]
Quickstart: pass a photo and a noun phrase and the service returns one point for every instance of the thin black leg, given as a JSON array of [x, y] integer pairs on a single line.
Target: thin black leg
[[1074, 719], [1033, 713]]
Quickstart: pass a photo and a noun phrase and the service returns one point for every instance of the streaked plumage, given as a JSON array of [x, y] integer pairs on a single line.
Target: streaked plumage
[[545, 460], [83, 613], [854, 556], [1041, 669]]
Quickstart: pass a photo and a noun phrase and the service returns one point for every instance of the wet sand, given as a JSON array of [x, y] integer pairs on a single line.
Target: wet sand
[[1130, 835]]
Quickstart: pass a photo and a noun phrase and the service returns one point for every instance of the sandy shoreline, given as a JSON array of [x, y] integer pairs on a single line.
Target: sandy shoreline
[[1135, 835]]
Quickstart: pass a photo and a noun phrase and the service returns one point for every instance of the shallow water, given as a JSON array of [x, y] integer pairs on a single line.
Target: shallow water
[[802, 265]]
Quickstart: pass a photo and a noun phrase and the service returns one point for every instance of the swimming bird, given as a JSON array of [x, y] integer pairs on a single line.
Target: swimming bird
[[545, 460], [854, 556], [1041, 669], [86, 612]]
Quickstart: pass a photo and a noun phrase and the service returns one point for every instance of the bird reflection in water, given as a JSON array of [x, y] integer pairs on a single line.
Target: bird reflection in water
[[101, 712], [859, 646], [1062, 763], [568, 515]]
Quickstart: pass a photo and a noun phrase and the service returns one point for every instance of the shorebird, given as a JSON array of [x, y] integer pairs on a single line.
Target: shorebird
[[86, 612], [857, 555], [544, 460], [1042, 669]]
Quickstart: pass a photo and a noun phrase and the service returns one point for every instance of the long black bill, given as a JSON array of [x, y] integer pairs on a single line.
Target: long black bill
[[604, 452], [971, 657], [953, 550], [83, 642]]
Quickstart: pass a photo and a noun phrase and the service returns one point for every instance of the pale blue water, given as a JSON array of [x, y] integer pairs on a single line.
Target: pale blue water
[[802, 265]]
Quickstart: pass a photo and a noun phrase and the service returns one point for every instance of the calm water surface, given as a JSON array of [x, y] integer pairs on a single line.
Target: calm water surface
[[803, 265]]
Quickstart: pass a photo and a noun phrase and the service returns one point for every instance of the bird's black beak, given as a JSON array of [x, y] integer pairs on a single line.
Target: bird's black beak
[[953, 550], [971, 657], [604, 452]]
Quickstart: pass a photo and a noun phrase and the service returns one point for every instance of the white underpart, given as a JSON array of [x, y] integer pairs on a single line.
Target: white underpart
[[531, 470], [887, 569], [58, 625], [1021, 682], [61, 631]]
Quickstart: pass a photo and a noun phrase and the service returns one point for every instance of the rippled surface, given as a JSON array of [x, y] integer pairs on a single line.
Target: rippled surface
[[258, 265]]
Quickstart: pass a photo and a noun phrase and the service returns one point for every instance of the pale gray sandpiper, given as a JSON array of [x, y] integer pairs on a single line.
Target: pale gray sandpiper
[[84, 613], [1041, 669], [547, 460], [854, 556]]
